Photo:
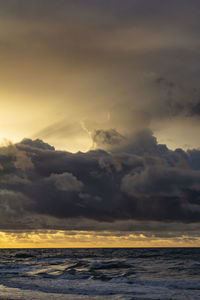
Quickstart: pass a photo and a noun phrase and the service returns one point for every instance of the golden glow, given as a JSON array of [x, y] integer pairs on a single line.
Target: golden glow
[[65, 74], [22, 116], [90, 239]]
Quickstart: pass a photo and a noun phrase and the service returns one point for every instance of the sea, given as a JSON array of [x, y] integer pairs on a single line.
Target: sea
[[103, 273]]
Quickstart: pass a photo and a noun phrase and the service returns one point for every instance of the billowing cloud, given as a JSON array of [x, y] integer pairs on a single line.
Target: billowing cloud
[[107, 138], [66, 182], [137, 183]]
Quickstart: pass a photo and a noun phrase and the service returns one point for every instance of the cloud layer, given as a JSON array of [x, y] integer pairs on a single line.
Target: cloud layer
[[100, 75], [141, 181], [134, 61]]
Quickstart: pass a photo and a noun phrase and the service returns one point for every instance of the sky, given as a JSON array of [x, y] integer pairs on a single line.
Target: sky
[[100, 120]]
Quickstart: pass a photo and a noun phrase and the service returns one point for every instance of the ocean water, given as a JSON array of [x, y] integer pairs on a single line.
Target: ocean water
[[126, 273]]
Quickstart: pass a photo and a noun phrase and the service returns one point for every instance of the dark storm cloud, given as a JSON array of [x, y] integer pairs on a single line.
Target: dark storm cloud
[[37, 144], [143, 182], [178, 100], [136, 60], [106, 138]]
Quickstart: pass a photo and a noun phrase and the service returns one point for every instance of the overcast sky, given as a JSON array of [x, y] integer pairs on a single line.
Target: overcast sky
[[117, 80]]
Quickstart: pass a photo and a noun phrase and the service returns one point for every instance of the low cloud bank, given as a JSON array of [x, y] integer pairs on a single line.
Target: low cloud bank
[[137, 181]]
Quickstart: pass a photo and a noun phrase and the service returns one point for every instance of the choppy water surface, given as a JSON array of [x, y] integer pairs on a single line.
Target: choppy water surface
[[165, 273]]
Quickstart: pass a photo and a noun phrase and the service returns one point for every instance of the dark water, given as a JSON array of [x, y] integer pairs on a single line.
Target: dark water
[[166, 273]]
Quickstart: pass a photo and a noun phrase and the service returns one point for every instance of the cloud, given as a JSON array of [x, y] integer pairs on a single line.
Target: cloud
[[124, 69], [177, 99], [106, 138], [66, 182], [37, 144], [141, 182], [136, 60]]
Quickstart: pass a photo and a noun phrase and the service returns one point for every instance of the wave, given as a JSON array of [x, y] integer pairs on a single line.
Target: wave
[[108, 265], [120, 273]]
